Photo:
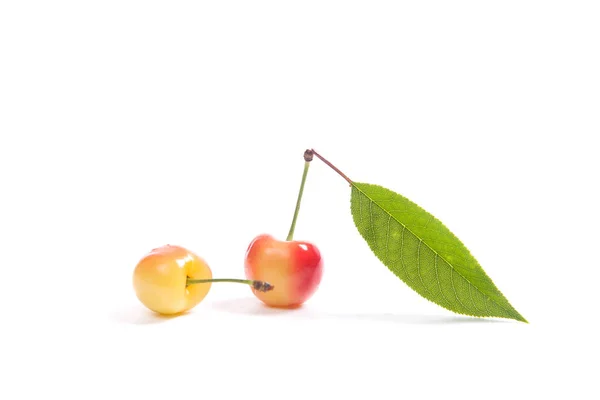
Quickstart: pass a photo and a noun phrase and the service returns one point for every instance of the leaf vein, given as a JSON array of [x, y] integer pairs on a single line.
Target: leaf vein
[[402, 253], [454, 289], [472, 301], [387, 239], [437, 278], [419, 266]]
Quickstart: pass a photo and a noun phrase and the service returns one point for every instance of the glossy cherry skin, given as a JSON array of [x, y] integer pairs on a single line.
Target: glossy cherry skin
[[160, 280], [294, 268]]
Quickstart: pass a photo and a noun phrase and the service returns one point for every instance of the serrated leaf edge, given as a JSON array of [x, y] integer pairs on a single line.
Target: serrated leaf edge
[[519, 317]]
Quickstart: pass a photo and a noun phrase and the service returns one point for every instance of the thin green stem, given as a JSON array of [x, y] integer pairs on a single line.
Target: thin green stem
[[293, 226], [261, 286], [193, 281]]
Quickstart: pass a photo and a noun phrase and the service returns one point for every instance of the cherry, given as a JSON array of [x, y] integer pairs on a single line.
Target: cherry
[[294, 267], [172, 280]]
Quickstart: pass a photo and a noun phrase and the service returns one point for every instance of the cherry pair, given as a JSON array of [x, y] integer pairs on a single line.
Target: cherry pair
[[172, 279]]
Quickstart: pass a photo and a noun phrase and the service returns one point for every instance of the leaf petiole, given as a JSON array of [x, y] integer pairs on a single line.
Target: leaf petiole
[[330, 165]]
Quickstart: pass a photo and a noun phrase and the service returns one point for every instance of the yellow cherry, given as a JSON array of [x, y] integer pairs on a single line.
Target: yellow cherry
[[160, 279]]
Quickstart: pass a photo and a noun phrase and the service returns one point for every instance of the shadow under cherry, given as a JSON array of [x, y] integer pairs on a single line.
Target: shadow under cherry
[[250, 306]]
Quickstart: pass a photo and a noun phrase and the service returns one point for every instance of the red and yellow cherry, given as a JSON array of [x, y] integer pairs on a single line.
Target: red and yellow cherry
[[293, 267], [171, 280]]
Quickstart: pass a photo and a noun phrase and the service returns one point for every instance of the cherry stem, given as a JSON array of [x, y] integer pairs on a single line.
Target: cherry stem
[[333, 167], [261, 286], [307, 160]]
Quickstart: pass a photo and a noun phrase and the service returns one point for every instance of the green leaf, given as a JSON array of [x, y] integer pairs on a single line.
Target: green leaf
[[422, 252]]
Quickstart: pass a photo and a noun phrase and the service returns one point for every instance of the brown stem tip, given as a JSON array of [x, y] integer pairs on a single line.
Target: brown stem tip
[[262, 286], [308, 155]]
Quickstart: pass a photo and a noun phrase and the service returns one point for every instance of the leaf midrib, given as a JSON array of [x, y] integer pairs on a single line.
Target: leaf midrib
[[438, 254]]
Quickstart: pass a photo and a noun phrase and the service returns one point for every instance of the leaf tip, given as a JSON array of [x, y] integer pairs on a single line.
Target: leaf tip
[[522, 319]]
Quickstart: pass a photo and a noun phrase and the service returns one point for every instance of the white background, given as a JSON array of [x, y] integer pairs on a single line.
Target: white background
[[126, 125]]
